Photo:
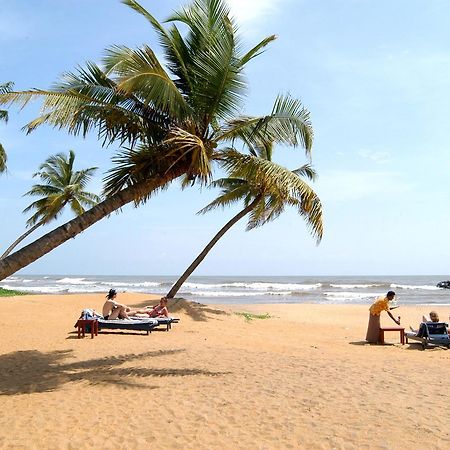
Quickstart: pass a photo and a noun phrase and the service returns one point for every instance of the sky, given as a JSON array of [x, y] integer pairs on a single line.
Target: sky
[[375, 77]]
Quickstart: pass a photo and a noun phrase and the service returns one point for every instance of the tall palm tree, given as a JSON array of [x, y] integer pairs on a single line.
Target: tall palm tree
[[4, 88], [266, 189], [61, 186], [168, 121]]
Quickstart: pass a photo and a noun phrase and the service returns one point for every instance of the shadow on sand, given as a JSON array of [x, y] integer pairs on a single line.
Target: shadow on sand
[[26, 372], [371, 344], [196, 311]]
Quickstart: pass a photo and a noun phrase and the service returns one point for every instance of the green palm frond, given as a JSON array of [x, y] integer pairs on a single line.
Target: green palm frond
[[214, 64], [42, 190], [233, 190], [130, 167], [143, 164], [288, 123], [60, 185], [4, 89], [141, 74], [257, 50], [172, 43], [3, 159], [89, 100], [278, 186], [189, 145], [306, 171]]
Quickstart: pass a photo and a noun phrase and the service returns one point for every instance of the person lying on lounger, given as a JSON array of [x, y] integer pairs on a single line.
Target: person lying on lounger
[[160, 310], [113, 310]]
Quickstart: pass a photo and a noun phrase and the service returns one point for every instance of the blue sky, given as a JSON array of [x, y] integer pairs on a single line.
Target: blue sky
[[375, 77]]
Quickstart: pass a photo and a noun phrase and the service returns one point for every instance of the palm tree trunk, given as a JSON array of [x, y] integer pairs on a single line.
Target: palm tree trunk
[[58, 236], [20, 239], [176, 287]]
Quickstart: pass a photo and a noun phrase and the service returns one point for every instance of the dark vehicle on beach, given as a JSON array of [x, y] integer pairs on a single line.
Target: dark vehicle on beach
[[444, 284]]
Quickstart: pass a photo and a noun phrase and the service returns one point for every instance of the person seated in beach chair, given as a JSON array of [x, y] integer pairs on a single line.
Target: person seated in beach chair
[[433, 317], [113, 310], [159, 310], [431, 332]]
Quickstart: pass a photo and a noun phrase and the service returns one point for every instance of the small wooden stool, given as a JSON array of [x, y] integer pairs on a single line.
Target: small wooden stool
[[399, 329], [82, 324]]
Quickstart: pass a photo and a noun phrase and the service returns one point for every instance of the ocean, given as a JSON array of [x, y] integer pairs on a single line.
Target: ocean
[[249, 289]]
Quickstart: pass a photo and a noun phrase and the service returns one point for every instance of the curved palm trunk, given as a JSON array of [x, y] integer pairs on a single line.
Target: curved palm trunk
[[58, 236], [20, 239], [176, 287]]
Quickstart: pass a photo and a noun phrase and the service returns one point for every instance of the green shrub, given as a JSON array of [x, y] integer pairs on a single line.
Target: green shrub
[[10, 293], [249, 316]]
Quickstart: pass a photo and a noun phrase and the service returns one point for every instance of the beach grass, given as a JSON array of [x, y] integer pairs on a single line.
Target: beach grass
[[249, 316], [11, 293]]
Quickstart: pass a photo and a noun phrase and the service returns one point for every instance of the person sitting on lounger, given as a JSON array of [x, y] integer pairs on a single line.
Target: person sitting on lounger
[[113, 310], [433, 317], [160, 310]]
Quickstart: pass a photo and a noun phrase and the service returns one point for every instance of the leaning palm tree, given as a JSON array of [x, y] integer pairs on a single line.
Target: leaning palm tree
[[169, 122], [4, 88], [265, 189], [60, 186]]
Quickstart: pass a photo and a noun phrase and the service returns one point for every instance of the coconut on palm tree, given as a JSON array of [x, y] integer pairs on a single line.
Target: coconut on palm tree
[[60, 186], [169, 121], [266, 189], [4, 88]]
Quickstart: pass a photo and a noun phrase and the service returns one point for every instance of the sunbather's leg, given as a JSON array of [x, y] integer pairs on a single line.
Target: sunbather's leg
[[133, 312], [118, 312]]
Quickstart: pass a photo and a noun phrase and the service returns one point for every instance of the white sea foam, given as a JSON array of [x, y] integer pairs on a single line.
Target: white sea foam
[[130, 284], [349, 295], [354, 286], [46, 289], [226, 294], [241, 293], [254, 286], [73, 281], [425, 287]]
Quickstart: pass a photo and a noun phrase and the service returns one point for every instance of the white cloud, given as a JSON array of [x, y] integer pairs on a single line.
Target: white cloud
[[377, 156], [357, 185], [252, 10]]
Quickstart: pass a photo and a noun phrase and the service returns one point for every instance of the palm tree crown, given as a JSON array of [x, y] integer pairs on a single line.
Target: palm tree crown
[[61, 186], [273, 186]]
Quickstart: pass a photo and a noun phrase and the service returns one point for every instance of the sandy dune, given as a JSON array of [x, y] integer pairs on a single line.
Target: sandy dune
[[301, 379]]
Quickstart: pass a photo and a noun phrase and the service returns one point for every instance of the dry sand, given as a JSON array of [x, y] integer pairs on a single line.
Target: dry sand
[[303, 379]]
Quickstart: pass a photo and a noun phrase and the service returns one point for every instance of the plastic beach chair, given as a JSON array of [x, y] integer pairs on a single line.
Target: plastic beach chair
[[431, 333]]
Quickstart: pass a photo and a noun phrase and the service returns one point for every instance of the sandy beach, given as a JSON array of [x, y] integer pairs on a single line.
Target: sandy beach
[[303, 378]]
